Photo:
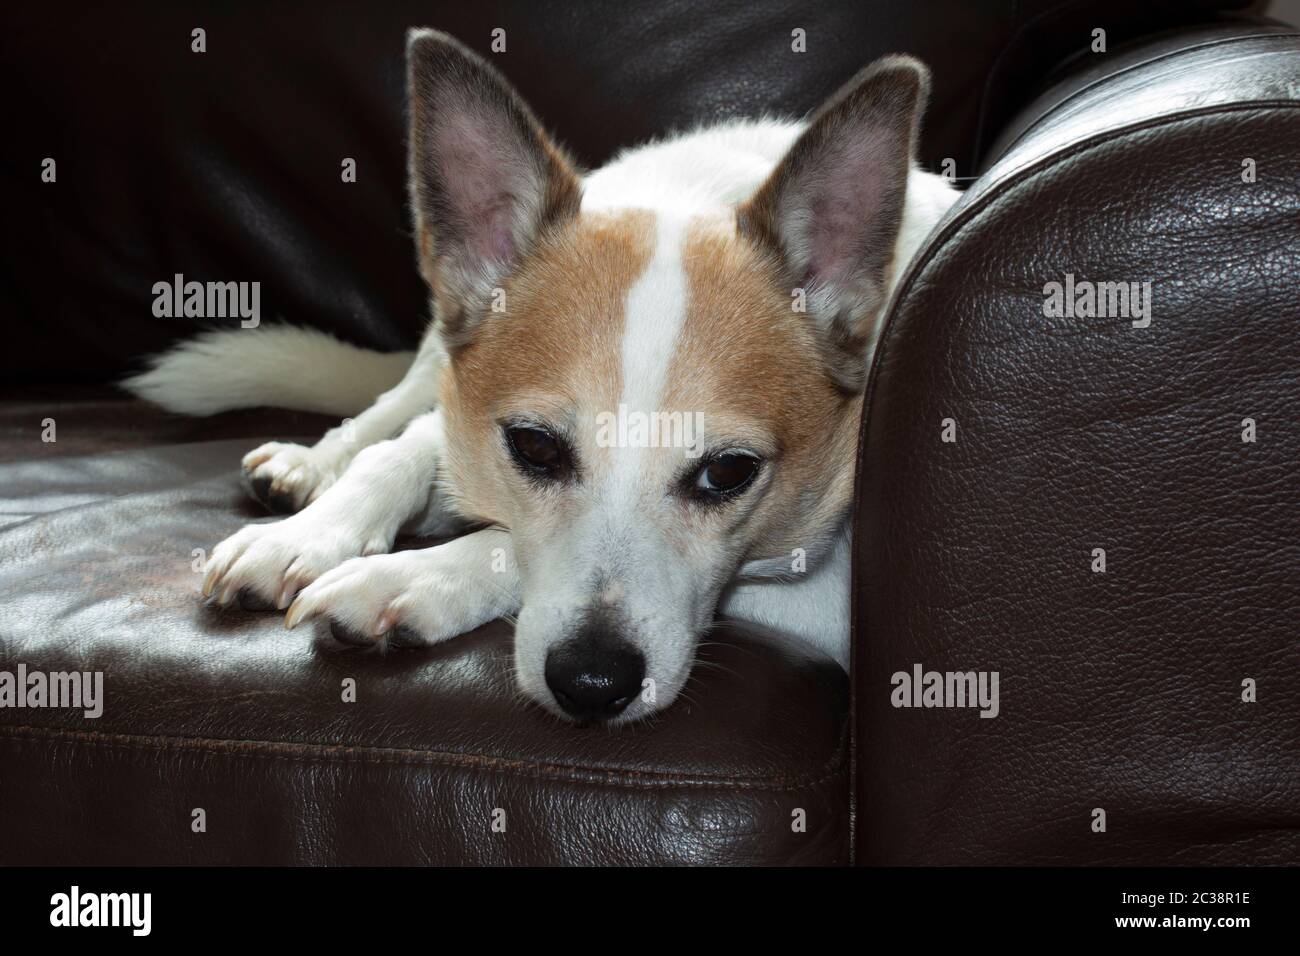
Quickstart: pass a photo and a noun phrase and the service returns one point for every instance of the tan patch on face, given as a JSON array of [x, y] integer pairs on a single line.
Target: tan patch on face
[[557, 345], [745, 356]]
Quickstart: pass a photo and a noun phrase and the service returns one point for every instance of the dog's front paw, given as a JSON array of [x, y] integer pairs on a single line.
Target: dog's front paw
[[286, 478], [263, 566], [411, 598]]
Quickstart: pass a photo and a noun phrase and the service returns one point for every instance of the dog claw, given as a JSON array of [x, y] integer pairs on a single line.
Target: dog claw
[[286, 595], [212, 579], [295, 615], [254, 459]]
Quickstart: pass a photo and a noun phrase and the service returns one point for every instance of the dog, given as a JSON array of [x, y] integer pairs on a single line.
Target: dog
[[733, 277]]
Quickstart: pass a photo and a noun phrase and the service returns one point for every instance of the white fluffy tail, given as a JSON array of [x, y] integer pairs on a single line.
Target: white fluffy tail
[[279, 366]]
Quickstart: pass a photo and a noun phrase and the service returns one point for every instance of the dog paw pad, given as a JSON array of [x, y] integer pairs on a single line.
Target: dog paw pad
[[405, 636], [346, 634], [250, 600]]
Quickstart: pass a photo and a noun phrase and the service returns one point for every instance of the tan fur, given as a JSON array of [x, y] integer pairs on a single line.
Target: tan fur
[[745, 359], [745, 356], [557, 345]]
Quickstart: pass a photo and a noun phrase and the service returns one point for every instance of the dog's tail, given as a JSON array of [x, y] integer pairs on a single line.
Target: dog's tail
[[278, 366]]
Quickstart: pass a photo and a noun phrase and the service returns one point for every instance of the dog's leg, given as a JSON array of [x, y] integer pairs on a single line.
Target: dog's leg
[[286, 477], [390, 485], [416, 597]]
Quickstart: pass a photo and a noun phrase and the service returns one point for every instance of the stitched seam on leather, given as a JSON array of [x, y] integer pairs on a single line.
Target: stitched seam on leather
[[280, 750]]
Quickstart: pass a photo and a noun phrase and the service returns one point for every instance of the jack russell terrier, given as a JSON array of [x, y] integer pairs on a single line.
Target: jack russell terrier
[[733, 277]]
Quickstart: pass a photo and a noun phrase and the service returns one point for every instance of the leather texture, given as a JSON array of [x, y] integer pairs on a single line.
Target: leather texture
[[1120, 691], [231, 713], [226, 165]]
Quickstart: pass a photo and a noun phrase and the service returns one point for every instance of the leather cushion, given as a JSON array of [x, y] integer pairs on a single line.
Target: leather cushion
[[231, 713]]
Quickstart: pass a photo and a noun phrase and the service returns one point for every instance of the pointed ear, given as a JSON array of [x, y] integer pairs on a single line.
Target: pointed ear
[[485, 180], [831, 210]]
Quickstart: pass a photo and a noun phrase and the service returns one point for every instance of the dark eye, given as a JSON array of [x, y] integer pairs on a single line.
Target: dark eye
[[726, 475], [538, 452]]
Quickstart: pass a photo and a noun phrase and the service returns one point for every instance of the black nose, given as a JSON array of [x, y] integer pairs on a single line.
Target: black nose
[[594, 679]]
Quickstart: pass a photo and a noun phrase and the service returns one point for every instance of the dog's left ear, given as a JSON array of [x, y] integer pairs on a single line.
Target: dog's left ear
[[486, 180], [832, 208]]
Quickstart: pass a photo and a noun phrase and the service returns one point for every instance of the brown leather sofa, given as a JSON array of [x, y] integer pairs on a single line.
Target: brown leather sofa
[[1120, 691]]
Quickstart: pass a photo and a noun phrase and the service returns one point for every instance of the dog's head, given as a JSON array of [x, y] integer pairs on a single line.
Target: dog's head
[[649, 399]]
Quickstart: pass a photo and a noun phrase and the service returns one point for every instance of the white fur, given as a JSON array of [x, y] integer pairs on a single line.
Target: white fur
[[278, 366], [706, 171], [304, 473], [437, 592], [812, 606], [387, 488]]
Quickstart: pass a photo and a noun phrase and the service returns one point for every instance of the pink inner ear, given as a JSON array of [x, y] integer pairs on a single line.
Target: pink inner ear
[[480, 167], [502, 245], [845, 193]]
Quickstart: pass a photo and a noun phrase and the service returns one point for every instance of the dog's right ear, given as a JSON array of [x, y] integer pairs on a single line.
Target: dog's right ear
[[485, 179]]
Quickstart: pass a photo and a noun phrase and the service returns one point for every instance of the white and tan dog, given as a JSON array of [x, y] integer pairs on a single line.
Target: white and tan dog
[[733, 277]]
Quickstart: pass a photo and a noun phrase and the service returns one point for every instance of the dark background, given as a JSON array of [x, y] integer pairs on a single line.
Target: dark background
[[225, 165]]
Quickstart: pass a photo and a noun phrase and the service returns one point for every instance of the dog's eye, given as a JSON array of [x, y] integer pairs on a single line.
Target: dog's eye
[[538, 451], [726, 475]]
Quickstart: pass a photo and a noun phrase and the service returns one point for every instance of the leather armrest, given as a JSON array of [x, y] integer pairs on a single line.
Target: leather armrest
[[1124, 687]]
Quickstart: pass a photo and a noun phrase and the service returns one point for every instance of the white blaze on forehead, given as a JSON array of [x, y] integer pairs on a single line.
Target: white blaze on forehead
[[612, 549], [655, 313]]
